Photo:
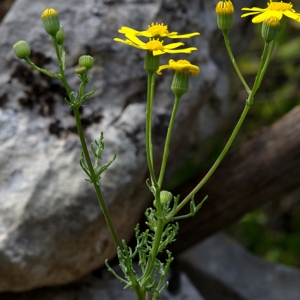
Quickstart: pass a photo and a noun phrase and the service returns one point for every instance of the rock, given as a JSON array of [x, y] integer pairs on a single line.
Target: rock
[[105, 288], [52, 230], [221, 269]]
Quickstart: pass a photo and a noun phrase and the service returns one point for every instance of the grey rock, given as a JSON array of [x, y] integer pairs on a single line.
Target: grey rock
[[222, 269], [51, 228], [104, 288]]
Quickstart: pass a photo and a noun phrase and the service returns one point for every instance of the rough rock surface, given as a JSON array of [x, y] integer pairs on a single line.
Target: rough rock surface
[[51, 228], [222, 269]]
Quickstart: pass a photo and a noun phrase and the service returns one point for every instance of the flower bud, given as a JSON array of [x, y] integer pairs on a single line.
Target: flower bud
[[60, 36], [270, 28], [21, 49], [86, 61], [81, 70], [50, 20], [224, 11], [165, 197]]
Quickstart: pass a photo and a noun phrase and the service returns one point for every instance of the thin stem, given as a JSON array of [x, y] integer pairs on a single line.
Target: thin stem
[[150, 93], [262, 68], [84, 148], [226, 39], [266, 63], [154, 250], [96, 184], [167, 142], [40, 69], [217, 162]]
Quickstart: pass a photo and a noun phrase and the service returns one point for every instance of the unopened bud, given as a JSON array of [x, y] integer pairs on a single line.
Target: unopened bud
[[86, 61], [50, 20], [60, 36], [21, 49], [225, 11]]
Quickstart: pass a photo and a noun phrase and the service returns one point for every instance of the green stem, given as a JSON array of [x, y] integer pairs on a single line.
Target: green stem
[[96, 184], [167, 142], [265, 66], [84, 147], [41, 69], [150, 93], [154, 250], [217, 162], [262, 68], [226, 39]]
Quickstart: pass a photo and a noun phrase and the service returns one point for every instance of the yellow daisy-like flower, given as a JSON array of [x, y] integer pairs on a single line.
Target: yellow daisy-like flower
[[156, 31], [155, 46], [274, 9], [181, 66]]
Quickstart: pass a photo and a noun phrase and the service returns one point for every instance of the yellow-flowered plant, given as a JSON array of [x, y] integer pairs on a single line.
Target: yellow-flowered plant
[[161, 218], [274, 9], [156, 31]]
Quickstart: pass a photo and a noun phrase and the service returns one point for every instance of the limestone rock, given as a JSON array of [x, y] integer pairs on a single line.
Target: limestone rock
[[52, 230], [222, 269]]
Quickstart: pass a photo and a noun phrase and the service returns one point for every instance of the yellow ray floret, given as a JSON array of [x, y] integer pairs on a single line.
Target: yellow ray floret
[[156, 31], [180, 66], [274, 9], [157, 47]]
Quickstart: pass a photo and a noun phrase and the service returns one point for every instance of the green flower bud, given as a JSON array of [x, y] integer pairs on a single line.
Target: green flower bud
[[60, 36], [151, 63], [50, 20], [225, 11], [80, 71], [21, 49], [165, 197], [86, 61], [270, 28], [180, 83]]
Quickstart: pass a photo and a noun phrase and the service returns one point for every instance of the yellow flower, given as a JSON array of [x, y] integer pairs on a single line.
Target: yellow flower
[[180, 66], [274, 9], [155, 46], [156, 31]]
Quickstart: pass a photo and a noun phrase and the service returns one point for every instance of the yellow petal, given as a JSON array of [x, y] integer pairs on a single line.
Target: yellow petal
[[250, 14], [173, 45], [292, 15], [183, 36], [134, 39], [162, 68], [261, 17], [254, 9], [127, 30]]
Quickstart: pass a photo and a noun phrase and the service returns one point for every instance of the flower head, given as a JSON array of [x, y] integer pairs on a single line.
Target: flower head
[[50, 19], [275, 9], [225, 11], [155, 46], [156, 31], [270, 28], [180, 66]]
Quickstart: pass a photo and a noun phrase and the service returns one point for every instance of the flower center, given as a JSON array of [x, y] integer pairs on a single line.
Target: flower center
[[158, 29], [153, 45], [280, 6], [183, 62]]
